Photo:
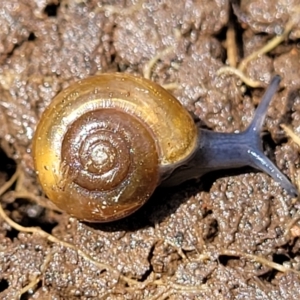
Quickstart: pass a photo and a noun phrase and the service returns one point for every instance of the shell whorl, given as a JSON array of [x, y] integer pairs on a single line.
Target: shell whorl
[[101, 143]]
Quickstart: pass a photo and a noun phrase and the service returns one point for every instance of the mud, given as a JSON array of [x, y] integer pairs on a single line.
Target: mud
[[230, 235]]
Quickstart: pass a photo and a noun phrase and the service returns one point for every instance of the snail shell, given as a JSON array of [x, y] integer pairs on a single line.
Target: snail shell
[[106, 142]]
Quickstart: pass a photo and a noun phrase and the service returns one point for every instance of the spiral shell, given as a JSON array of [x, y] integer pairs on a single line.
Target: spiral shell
[[102, 145]]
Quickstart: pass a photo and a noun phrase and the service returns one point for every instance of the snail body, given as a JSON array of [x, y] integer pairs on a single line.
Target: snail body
[[105, 143]]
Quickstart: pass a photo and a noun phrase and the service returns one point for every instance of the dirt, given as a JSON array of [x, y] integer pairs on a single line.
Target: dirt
[[228, 235]]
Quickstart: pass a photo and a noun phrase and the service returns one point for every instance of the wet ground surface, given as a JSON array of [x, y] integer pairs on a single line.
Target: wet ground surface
[[229, 235]]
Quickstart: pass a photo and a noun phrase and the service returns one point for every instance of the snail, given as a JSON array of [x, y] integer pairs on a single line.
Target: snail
[[105, 143]]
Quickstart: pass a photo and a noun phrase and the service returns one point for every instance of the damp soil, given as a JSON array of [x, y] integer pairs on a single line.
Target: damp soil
[[229, 235]]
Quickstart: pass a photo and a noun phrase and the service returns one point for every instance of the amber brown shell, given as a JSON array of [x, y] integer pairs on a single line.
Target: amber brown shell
[[101, 145]]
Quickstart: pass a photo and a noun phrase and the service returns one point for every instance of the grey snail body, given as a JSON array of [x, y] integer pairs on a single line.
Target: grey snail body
[[105, 143]]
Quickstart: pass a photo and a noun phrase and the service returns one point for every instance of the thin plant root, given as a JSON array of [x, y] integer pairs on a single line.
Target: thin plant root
[[248, 81], [171, 287], [147, 70], [289, 132], [296, 139], [34, 281], [148, 67], [270, 45], [23, 194], [232, 53], [20, 192], [28, 287], [259, 259], [53, 239], [251, 257], [291, 224]]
